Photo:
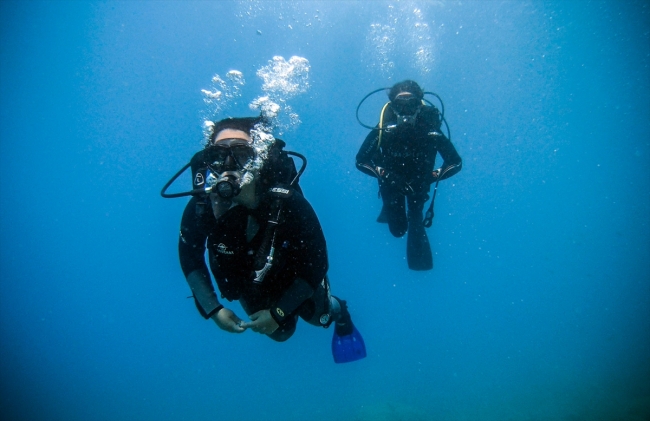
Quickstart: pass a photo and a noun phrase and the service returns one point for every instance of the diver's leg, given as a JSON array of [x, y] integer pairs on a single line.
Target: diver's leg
[[318, 309], [395, 211], [286, 330], [418, 249], [322, 309]]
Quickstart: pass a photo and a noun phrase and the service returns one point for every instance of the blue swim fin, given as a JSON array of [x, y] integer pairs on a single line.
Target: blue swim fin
[[348, 348]]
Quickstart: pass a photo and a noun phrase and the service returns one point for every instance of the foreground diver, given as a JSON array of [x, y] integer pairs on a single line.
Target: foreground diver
[[401, 152], [265, 244]]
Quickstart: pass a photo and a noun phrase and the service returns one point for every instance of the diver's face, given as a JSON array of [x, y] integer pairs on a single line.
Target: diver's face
[[406, 104], [247, 195], [406, 107]]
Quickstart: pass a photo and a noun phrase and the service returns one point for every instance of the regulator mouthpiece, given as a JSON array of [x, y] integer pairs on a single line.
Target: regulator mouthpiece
[[227, 185], [406, 119]]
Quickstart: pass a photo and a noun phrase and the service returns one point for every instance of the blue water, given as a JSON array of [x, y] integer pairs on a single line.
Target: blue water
[[538, 307]]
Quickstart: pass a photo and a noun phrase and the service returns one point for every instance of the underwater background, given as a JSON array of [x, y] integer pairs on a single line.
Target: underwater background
[[538, 307]]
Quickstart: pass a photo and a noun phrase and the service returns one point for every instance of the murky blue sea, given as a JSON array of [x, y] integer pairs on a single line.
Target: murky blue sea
[[538, 307]]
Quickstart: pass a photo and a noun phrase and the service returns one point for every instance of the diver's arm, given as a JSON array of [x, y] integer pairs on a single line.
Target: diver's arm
[[364, 160], [203, 292], [452, 163], [191, 253]]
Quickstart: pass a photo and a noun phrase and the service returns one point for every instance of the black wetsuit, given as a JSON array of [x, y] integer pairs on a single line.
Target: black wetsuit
[[294, 286], [409, 152]]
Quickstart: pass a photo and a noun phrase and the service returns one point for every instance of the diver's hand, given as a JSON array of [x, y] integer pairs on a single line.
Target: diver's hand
[[228, 321], [262, 322], [435, 174], [394, 181]]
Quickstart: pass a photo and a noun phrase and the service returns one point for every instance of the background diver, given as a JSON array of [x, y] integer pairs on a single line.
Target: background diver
[[401, 152], [265, 244]]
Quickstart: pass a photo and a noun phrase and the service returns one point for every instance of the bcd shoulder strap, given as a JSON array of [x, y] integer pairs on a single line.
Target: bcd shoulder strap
[[264, 255]]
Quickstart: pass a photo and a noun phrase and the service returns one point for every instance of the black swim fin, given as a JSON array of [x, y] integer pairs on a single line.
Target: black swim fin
[[418, 249]]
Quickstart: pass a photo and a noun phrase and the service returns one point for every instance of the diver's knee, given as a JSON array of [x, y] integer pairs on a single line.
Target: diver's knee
[[398, 223], [284, 331], [397, 230]]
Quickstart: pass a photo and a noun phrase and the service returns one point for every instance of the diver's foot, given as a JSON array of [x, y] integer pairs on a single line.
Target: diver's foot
[[343, 325], [347, 342]]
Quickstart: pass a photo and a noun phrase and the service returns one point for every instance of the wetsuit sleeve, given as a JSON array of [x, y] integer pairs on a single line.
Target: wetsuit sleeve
[[452, 163], [191, 252], [367, 153]]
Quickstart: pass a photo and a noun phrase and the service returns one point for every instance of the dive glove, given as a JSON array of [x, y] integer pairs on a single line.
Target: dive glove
[[394, 181]]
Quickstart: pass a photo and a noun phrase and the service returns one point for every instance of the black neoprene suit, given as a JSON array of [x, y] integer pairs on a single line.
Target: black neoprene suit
[[295, 283], [410, 152]]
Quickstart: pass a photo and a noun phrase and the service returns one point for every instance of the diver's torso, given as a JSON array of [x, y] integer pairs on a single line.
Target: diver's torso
[[410, 150], [229, 247], [233, 244]]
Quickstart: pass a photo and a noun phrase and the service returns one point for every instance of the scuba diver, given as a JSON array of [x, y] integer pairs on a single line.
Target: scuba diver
[[265, 244], [401, 152]]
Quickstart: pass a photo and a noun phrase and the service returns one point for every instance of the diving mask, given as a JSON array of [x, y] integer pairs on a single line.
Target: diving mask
[[229, 158], [229, 154], [406, 107]]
